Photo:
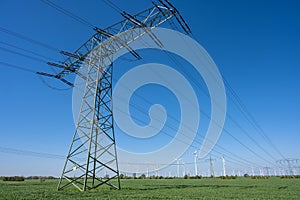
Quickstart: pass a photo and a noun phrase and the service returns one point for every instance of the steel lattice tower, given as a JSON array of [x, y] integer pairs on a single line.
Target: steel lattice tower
[[289, 164], [92, 157], [211, 166]]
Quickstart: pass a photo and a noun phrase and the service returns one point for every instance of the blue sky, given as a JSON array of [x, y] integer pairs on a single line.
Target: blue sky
[[255, 45]]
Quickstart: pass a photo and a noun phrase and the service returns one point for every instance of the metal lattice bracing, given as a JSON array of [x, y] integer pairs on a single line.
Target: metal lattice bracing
[[146, 20], [92, 158]]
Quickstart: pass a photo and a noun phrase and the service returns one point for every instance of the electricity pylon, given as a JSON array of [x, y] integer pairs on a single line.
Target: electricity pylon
[[290, 164], [267, 170], [92, 158], [211, 166]]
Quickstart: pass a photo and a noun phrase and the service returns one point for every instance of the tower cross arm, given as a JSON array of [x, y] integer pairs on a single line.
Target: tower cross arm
[[149, 18]]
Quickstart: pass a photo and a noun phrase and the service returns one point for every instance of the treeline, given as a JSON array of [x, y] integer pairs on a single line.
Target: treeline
[[143, 176], [228, 177], [22, 178], [12, 178], [295, 176]]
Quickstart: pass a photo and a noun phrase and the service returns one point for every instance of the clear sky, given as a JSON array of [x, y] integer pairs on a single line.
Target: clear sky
[[255, 44]]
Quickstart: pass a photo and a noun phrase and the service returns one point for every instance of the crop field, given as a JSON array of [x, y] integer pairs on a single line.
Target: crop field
[[206, 188]]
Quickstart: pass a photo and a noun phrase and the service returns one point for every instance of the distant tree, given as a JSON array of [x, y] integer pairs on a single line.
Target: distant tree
[[186, 176], [142, 176], [122, 176], [246, 175], [14, 178]]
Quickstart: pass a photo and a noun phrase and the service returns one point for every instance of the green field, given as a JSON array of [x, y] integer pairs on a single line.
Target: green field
[[207, 188]]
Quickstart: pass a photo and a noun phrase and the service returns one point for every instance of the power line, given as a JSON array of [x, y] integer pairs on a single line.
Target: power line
[[50, 86], [184, 134], [248, 116], [17, 67], [113, 6], [252, 120], [34, 72], [195, 140], [249, 136], [240, 143], [49, 1], [28, 51], [172, 127], [23, 55], [117, 108], [30, 153], [201, 136], [60, 157], [230, 117], [32, 58], [68, 13], [205, 114], [23, 37], [75, 16], [23, 152]]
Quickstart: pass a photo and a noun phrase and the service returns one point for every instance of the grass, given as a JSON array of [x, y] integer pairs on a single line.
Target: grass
[[208, 188]]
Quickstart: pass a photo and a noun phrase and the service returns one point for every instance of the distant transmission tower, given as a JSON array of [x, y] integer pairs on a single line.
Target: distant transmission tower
[[252, 171], [211, 166], [92, 158], [267, 170], [290, 164], [178, 166]]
